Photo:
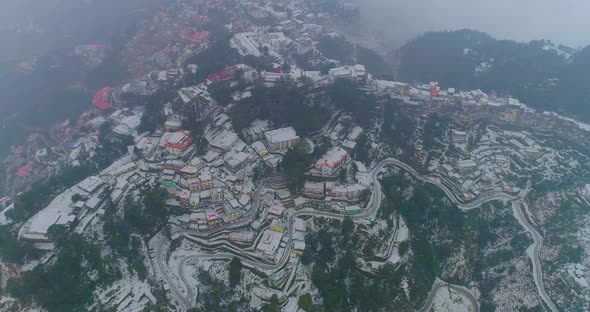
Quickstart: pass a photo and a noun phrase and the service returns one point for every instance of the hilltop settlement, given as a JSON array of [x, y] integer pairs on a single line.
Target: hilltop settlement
[[255, 160]]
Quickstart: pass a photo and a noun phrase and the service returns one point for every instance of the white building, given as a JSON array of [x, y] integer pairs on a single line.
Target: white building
[[269, 243], [281, 139]]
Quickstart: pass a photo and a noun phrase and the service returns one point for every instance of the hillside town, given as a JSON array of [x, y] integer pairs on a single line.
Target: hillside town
[[226, 186]]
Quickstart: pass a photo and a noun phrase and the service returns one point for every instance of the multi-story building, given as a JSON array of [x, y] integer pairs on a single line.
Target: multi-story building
[[281, 139], [348, 193], [178, 142], [459, 136], [331, 162], [196, 184]]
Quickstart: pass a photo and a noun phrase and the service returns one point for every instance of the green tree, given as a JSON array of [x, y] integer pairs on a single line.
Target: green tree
[[235, 271], [294, 165], [273, 305], [306, 302], [347, 226]]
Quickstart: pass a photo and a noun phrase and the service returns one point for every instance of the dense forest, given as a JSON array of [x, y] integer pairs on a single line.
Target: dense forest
[[539, 73]]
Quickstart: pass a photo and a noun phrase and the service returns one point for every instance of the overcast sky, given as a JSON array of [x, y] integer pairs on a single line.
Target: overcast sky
[[562, 21]]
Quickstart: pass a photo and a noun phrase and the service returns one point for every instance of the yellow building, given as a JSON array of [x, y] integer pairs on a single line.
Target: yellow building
[[277, 226]]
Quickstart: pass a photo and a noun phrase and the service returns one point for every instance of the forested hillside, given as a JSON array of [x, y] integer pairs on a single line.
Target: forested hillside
[[539, 73]]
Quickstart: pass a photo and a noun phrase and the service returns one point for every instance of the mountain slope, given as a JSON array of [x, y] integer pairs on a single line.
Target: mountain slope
[[538, 73]]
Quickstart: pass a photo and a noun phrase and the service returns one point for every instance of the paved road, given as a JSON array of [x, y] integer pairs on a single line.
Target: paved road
[[371, 211], [328, 126], [534, 252], [372, 208], [438, 284], [181, 303], [492, 196]]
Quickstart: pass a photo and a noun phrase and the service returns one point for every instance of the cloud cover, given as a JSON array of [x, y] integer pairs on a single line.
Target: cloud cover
[[562, 21]]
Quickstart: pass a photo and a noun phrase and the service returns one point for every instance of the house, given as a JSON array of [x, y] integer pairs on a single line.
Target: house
[[459, 137], [223, 141], [331, 162], [212, 218], [269, 243], [236, 161], [466, 165], [276, 210], [281, 139], [277, 226], [185, 197], [173, 124], [256, 130], [260, 148], [178, 143], [299, 202]]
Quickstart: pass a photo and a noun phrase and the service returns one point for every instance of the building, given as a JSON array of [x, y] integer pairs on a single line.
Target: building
[[91, 184], [173, 124], [199, 37], [189, 172], [277, 226], [532, 153], [227, 74], [195, 200], [316, 190], [185, 197], [260, 148], [231, 214], [459, 137], [41, 155], [256, 130], [299, 202], [269, 243], [117, 195], [224, 141], [244, 44], [178, 142], [331, 162], [217, 194], [281, 139], [466, 165], [236, 161], [276, 210], [352, 209], [348, 193], [5, 202], [212, 218], [242, 236]]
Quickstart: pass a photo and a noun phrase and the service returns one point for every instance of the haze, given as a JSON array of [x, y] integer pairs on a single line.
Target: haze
[[564, 21]]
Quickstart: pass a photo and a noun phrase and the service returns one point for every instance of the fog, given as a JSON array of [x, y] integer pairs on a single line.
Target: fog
[[562, 21]]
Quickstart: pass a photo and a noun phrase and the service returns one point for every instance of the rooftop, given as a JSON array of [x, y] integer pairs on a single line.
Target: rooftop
[[281, 135]]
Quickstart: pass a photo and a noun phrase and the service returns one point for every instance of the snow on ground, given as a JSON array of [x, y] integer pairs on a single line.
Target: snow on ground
[[450, 300], [3, 218], [127, 294], [403, 233]]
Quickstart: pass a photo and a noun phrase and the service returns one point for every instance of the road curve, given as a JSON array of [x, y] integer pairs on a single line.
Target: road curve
[[371, 210], [534, 252], [438, 284], [493, 196]]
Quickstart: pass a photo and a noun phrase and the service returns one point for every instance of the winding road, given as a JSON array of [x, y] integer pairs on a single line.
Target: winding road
[[534, 252], [186, 300]]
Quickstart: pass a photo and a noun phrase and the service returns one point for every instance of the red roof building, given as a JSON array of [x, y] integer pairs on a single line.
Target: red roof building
[[178, 142], [101, 98], [200, 37], [22, 171], [228, 73], [331, 161]]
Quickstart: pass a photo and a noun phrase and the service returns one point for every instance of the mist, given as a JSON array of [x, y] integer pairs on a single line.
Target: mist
[[397, 21]]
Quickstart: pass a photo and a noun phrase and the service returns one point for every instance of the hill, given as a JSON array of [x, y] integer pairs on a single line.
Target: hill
[[539, 73]]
